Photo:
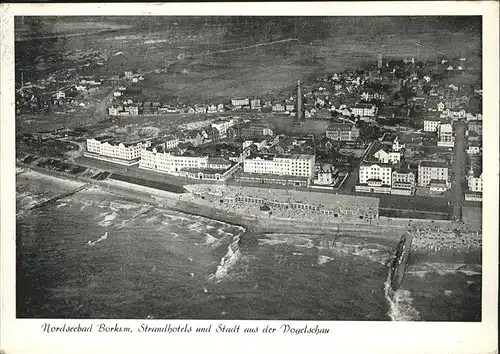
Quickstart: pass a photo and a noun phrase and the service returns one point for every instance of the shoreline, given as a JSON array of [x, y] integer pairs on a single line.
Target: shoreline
[[254, 225]]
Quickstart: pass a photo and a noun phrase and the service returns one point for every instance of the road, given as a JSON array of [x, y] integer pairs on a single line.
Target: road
[[458, 172]]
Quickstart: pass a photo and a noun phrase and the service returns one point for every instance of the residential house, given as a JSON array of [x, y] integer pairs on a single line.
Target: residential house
[[200, 109], [113, 111], [133, 110], [386, 156], [475, 181], [278, 107], [364, 110], [474, 149], [342, 132], [194, 137], [222, 126], [325, 175], [445, 136], [240, 102], [403, 182], [475, 126], [170, 142], [431, 124], [255, 104]]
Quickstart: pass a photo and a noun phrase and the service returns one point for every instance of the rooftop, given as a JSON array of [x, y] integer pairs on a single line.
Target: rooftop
[[441, 164]]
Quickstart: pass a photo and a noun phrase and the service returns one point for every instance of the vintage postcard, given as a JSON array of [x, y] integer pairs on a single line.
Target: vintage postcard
[[186, 177]]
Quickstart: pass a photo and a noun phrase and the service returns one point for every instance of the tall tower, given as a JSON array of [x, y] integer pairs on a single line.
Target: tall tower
[[299, 101], [379, 61]]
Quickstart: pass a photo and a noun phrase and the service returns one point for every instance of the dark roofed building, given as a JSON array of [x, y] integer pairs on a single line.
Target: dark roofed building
[[342, 132]]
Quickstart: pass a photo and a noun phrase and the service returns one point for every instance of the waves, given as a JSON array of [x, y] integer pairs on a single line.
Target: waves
[[400, 303], [100, 239], [324, 259], [229, 259]]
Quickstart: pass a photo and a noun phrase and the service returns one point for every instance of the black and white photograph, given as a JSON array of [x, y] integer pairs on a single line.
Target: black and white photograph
[[245, 167]]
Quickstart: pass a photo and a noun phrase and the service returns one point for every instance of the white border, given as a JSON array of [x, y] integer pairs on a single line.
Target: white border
[[20, 336]]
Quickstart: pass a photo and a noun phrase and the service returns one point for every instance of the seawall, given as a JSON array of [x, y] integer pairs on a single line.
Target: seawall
[[400, 261]]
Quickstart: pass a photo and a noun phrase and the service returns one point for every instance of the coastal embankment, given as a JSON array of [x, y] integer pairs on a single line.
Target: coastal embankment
[[428, 235]]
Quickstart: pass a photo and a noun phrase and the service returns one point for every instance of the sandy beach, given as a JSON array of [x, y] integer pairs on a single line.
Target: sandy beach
[[428, 240]]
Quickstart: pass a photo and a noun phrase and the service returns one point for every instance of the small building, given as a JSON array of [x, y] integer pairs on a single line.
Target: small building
[[445, 135], [403, 182], [240, 102], [438, 186], [278, 107], [431, 124], [113, 111], [475, 181], [325, 175], [255, 104], [171, 142], [133, 110], [342, 132], [364, 110]]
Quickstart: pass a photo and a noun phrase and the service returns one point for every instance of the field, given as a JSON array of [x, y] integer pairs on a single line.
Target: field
[[196, 75]]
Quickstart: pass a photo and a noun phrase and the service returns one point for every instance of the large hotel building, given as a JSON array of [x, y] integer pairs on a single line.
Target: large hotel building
[[158, 159], [294, 169], [108, 149]]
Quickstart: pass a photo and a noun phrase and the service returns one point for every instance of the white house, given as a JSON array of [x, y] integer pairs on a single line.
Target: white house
[[240, 102], [387, 157], [375, 175], [475, 182], [222, 126], [473, 150], [445, 136], [364, 110], [431, 125]]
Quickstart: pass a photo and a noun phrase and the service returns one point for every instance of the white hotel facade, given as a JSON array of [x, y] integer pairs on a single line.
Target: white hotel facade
[[300, 165], [162, 161], [108, 149]]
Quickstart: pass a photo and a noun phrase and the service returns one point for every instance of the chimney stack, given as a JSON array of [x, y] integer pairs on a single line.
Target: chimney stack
[[299, 101]]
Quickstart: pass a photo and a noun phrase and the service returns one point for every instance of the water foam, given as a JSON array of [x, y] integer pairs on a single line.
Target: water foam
[[209, 239], [108, 218], [229, 259], [400, 303], [324, 259]]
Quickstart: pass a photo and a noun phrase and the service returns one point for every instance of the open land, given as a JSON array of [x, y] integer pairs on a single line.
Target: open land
[[266, 70]]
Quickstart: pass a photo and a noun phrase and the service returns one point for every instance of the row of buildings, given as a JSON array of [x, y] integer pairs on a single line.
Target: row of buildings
[[382, 170]]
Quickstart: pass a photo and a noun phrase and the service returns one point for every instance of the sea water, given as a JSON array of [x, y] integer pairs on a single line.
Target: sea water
[[162, 264]]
